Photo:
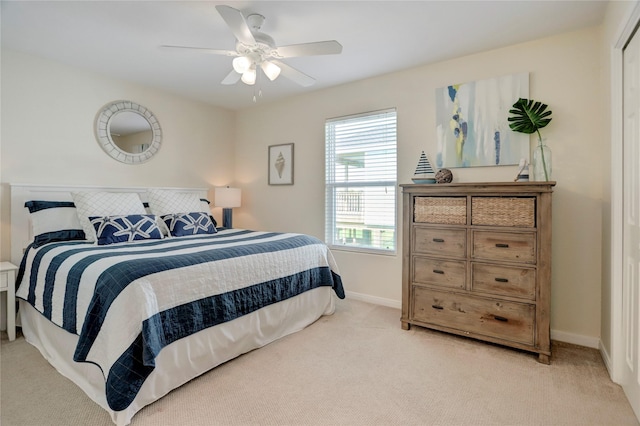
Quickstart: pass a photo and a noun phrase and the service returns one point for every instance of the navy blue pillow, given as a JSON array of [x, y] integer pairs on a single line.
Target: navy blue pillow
[[183, 224], [121, 229]]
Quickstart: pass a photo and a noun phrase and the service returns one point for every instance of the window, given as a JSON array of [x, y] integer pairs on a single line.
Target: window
[[361, 182]]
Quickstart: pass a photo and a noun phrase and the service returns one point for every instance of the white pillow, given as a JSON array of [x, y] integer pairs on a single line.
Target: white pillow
[[162, 202], [104, 204]]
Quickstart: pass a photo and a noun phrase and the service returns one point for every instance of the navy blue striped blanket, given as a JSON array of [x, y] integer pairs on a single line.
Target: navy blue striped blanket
[[127, 301]]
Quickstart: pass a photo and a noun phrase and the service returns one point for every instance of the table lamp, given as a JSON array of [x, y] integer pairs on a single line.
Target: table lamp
[[227, 198]]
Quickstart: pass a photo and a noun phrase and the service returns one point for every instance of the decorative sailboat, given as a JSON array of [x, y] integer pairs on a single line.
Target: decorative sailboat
[[424, 173]]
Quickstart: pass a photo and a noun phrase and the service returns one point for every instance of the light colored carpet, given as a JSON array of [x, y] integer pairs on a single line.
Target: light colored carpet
[[356, 367]]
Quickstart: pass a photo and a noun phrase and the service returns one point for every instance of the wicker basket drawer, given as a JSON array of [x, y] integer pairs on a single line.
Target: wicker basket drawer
[[445, 210], [504, 211], [504, 246], [503, 280], [446, 273], [496, 318], [440, 242]]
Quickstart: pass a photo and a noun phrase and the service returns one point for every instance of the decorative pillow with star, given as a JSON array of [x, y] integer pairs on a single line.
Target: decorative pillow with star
[[185, 224], [122, 229]]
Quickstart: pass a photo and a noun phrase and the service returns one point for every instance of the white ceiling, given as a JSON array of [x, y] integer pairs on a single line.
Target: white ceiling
[[122, 38]]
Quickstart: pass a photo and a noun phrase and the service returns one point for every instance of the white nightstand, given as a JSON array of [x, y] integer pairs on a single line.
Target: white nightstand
[[8, 284]]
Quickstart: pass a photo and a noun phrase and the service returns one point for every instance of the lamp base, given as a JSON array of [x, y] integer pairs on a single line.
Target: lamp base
[[226, 218]]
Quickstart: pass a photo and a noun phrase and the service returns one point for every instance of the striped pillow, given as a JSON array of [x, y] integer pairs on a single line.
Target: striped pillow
[[54, 221]]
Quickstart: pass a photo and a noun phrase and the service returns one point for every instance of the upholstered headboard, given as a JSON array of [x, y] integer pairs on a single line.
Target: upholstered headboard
[[21, 234]]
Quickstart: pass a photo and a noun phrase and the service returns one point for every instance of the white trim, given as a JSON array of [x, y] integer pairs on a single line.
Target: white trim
[[616, 356], [365, 250], [362, 114], [615, 257], [374, 300], [606, 358], [575, 339]]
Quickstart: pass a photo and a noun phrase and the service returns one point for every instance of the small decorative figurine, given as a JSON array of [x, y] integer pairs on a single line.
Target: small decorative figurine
[[424, 172], [444, 176], [523, 171]]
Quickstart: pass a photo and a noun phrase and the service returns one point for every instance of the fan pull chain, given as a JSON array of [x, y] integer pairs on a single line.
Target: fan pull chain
[[259, 95], [258, 77]]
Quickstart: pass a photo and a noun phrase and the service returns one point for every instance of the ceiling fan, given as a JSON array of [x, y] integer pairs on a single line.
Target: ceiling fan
[[256, 50]]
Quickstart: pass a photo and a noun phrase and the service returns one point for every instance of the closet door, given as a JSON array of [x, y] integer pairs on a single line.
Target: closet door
[[631, 224]]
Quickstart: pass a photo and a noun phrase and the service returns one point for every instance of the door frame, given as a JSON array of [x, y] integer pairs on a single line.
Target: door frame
[[616, 361]]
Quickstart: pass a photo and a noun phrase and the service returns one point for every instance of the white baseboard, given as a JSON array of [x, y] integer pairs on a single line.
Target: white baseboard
[[562, 336], [374, 299], [575, 339], [606, 358]]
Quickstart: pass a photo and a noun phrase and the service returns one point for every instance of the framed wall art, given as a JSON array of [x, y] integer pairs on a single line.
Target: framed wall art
[[471, 123], [281, 164]]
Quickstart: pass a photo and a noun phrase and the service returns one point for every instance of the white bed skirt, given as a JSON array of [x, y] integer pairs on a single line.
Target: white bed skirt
[[184, 359]]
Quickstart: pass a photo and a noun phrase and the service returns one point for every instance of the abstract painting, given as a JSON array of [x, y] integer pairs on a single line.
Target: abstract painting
[[471, 123]]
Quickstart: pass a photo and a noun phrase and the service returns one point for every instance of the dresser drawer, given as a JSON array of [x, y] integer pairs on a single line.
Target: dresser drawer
[[499, 319], [504, 246], [442, 242], [504, 211], [447, 273], [503, 280], [446, 210]]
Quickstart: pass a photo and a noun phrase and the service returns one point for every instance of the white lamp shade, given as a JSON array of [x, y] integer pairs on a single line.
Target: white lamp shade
[[271, 70], [249, 77], [227, 197], [241, 64]]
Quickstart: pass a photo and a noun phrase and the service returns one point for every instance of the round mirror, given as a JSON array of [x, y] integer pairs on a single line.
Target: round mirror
[[128, 132]]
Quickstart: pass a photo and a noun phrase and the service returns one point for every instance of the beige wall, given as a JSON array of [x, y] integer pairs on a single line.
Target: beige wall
[[47, 134], [565, 72]]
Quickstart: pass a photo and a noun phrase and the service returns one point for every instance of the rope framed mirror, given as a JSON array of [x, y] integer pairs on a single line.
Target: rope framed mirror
[[128, 132]]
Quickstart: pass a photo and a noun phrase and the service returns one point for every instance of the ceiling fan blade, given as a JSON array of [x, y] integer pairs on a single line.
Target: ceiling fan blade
[[201, 49], [295, 75], [237, 24], [330, 47], [231, 78]]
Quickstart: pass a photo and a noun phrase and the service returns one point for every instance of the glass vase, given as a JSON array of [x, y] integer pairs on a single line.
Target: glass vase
[[542, 162]]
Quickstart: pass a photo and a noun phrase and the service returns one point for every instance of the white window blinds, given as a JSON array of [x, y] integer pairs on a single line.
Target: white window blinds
[[361, 177]]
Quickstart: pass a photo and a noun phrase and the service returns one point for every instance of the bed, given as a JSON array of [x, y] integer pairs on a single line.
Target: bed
[[146, 308]]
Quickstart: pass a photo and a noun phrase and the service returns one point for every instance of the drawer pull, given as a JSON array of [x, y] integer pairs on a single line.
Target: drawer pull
[[502, 280], [502, 245], [438, 240], [499, 318], [437, 307], [438, 271]]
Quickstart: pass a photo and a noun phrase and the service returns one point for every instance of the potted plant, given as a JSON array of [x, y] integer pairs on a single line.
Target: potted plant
[[530, 116]]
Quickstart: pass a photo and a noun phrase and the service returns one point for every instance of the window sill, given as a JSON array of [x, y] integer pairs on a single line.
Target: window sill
[[363, 250]]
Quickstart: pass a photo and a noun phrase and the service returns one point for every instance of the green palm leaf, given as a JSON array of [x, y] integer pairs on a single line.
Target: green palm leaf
[[528, 116]]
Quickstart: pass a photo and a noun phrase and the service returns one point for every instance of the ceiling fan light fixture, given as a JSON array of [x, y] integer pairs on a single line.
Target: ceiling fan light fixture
[[271, 70], [242, 64], [249, 77], [254, 49]]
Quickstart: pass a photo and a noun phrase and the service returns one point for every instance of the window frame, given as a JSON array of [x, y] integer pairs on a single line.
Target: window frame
[[330, 187]]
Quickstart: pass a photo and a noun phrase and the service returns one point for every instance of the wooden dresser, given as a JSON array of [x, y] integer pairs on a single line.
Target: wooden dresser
[[477, 261]]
